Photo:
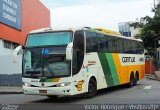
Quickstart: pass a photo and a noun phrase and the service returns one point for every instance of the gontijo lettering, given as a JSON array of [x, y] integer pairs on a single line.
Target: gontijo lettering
[[128, 59]]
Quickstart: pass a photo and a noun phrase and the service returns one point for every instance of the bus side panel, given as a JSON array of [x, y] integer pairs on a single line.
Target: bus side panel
[[109, 69], [121, 70], [127, 63], [93, 67], [142, 72], [118, 67]]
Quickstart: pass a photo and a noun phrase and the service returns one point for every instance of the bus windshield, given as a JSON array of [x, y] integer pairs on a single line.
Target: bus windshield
[[49, 38], [45, 62], [45, 54]]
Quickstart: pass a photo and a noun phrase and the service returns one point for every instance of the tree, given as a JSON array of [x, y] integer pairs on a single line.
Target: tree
[[149, 28]]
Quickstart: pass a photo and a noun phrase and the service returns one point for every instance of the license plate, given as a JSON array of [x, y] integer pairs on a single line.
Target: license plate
[[43, 91]]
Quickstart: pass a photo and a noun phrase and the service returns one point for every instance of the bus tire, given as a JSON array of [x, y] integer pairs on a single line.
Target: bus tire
[[135, 81], [136, 78], [92, 88], [131, 83]]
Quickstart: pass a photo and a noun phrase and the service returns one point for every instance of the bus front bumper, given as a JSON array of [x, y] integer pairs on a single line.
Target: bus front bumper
[[59, 91]]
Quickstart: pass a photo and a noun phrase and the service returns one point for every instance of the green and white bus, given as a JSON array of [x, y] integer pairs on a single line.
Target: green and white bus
[[68, 62]]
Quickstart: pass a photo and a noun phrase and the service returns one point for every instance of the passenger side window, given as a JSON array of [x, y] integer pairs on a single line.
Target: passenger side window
[[139, 48], [127, 46], [101, 42], [112, 44], [120, 45], [91, 42]]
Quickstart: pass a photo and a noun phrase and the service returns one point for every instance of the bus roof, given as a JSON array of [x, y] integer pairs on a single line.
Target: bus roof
[[53, 29], [99, 30], [108, 31]]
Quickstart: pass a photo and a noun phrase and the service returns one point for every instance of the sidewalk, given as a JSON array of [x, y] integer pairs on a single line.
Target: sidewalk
[[10, 90], [149, 76]]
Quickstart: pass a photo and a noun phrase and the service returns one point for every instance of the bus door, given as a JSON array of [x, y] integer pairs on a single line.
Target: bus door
[[79, 76]]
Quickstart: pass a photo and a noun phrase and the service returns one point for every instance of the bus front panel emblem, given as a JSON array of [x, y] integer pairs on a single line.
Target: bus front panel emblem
[[42, 84]]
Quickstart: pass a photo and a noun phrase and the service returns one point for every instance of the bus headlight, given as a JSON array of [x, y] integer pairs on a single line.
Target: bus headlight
[[63, 84], [27, 84]]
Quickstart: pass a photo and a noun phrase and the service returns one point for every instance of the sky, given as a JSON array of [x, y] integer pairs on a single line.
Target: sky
[[96, 13]]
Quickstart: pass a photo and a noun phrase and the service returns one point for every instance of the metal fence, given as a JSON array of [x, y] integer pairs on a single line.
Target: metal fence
[[10, 80]]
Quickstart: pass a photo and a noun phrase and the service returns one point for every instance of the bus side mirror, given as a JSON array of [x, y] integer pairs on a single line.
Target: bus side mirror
[[69, 51], [15, 53]]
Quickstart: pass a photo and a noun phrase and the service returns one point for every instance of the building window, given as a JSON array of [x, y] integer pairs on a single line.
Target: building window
[[10, 45], [7, 45]]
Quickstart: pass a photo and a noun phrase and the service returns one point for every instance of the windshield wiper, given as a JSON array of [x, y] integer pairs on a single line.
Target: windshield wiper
[[33, 72]]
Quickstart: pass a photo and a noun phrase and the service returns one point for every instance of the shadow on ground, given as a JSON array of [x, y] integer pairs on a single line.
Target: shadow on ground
[[72, 99]]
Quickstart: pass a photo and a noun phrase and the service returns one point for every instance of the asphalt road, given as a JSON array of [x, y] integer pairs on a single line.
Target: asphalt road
[[146, 92]]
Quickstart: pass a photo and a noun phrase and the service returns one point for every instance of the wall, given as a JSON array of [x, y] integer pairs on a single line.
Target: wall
[[126, 30], [6, 61], [149, 67], [34, 16], [134, 32]]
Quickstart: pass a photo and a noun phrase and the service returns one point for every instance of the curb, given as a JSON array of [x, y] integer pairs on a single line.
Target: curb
[[149, 77], [2, 93], [10, 90]]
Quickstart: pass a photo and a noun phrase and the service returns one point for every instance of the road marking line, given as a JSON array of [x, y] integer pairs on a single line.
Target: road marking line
[[147, 87]]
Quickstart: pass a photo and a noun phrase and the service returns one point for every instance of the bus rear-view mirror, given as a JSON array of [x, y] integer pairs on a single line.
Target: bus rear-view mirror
[[16, 52], [69, 51]]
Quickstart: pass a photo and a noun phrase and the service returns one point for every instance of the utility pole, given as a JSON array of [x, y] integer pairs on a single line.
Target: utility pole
[[154, 4]]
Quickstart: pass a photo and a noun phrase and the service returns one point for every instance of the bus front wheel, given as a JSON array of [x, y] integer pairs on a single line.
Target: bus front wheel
[[92, 88]]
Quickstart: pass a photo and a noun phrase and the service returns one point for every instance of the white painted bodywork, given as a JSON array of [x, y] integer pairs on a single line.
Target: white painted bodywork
[[87, 71]]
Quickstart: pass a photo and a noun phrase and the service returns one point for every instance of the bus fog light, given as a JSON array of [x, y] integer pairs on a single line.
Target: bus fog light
[[63, 84], [27, 84]]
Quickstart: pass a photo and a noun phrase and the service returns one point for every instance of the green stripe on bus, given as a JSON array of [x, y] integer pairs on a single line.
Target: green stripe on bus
[[106, 69], [42, 80], [112, 68], [45, 80], [49, 80]]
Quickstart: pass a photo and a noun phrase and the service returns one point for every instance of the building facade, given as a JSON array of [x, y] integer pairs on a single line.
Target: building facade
[[17, 18], [126, 30]]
